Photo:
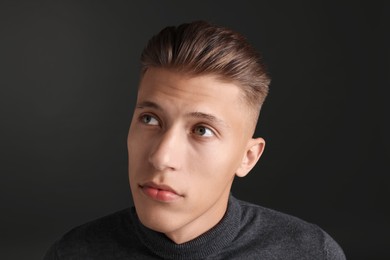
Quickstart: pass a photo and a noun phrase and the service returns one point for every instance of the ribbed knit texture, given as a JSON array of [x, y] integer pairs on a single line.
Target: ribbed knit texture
[[202, 247], [246, 231]]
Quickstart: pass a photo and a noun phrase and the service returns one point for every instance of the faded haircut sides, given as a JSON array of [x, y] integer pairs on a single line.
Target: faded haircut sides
[[201, 48]]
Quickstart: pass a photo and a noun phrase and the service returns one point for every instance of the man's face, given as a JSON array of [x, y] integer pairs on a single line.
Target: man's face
[[188, 138]]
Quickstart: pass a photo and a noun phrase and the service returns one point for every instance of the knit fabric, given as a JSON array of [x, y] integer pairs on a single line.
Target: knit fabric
[[246, 231]]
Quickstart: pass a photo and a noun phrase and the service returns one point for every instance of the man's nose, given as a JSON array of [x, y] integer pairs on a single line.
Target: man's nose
[[166, 154]]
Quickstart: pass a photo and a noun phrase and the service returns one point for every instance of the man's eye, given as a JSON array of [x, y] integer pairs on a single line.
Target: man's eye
[[203, 131], [149, 120]]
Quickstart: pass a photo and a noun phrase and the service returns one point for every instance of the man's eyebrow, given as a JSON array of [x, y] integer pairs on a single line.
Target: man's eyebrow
[[208, 117], [200, 115], [149, 104]]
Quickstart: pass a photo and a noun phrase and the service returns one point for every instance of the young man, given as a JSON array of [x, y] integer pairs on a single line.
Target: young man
[[200, 94]]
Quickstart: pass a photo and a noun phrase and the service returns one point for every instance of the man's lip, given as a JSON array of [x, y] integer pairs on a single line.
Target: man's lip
[[159, 187]]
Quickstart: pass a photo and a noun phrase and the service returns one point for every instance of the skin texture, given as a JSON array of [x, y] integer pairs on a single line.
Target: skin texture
[[189, 137]]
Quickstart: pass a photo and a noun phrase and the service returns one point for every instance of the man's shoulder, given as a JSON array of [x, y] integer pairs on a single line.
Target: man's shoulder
[[283, 233], [99, 235], [267, 218]]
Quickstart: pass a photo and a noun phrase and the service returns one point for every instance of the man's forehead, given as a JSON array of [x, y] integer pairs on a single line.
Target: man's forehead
[[193, 92], [171, 81]]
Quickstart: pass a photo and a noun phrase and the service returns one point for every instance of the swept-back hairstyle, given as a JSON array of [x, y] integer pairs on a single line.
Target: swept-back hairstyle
[[200, 48]]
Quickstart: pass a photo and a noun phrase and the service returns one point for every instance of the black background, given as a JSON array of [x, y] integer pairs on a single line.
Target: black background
[[69, 71]]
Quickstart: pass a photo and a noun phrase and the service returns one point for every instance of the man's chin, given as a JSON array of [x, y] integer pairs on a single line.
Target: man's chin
[[163, 222]]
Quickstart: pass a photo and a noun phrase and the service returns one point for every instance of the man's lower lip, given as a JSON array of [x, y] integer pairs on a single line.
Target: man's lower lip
[[159, 195]]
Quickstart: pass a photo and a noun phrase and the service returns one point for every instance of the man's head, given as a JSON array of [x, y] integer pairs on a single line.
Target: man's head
[[200, 48], [192, 127]]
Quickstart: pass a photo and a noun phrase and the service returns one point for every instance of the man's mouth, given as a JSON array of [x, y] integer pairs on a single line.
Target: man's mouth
[[159, 192]]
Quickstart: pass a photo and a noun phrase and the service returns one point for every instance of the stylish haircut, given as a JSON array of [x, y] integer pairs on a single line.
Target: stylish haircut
[[201, 48]]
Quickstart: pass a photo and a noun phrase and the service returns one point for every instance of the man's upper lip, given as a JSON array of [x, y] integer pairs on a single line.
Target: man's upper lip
[[159, 186]]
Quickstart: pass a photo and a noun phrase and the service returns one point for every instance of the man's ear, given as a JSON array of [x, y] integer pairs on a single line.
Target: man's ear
[[254, 149]]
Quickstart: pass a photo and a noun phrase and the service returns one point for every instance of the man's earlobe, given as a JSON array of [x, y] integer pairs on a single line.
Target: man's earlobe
[[253, 152]]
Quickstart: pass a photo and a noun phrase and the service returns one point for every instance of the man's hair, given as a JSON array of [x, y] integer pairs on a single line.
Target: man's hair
[[201, 48]]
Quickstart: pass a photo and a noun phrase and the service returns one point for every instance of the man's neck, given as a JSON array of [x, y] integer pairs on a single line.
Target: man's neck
[[202, 224]]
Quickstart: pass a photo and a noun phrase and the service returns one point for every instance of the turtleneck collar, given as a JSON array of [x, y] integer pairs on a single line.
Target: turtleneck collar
[[205, 245]]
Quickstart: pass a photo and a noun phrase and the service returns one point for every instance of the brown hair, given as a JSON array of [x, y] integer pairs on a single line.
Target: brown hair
[[200, 48]]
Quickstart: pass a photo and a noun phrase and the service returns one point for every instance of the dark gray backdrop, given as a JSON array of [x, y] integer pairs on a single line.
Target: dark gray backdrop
[[68, 77]]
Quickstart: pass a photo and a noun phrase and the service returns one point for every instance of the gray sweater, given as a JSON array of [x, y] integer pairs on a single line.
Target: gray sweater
[[246, 231]]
